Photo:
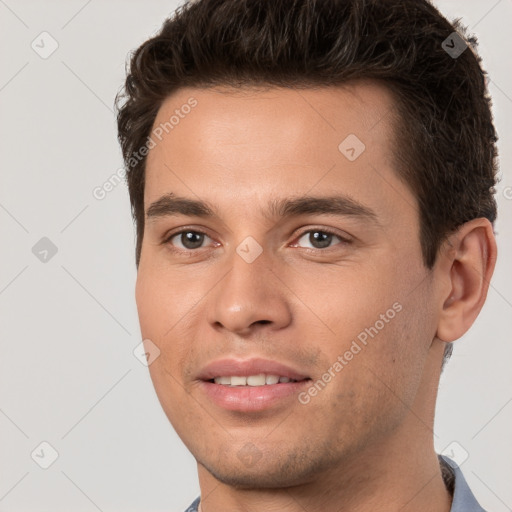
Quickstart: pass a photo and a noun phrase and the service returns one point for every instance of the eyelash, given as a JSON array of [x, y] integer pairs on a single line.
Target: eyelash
[[167, 239]]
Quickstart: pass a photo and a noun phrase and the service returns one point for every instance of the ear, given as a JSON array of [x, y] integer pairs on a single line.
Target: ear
[[467, 263]]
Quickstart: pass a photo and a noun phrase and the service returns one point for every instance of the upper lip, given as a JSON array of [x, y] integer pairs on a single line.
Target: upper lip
[[244, 367]]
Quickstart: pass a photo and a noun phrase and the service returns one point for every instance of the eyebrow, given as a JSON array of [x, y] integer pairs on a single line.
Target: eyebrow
[[171, 204]]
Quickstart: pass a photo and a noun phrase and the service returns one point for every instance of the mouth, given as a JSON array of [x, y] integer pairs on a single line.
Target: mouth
[[252, 385], [252, 380]]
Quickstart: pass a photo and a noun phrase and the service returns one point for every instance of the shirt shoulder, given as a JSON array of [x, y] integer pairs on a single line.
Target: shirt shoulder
[[463, 499], [194, 505]]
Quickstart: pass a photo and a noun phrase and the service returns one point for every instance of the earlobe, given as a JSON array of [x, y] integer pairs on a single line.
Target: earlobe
[[468, 266]]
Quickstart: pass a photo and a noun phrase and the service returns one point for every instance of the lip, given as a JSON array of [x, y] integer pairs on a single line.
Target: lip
[[251, 398]]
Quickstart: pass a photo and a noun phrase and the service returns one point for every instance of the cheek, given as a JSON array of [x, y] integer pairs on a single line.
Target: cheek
[[352, 301], [170, 305], [381, 327], [161, 309], [164, 298], [396, 348]]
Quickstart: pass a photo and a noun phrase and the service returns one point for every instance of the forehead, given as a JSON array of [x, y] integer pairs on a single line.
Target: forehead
[[251, 143]]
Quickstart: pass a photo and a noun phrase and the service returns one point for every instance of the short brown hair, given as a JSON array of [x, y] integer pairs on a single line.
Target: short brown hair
[[449, 157]]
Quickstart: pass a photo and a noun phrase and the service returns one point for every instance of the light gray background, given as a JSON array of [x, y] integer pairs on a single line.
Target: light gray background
[[69, 326]]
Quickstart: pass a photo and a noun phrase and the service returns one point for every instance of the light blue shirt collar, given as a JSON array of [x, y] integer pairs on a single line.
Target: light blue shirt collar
[[463, 499]]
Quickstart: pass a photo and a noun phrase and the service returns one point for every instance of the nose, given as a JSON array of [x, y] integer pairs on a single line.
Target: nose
[[250, 297]]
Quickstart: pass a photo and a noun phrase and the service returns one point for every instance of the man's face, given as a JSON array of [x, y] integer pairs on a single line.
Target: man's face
[[299, 286]]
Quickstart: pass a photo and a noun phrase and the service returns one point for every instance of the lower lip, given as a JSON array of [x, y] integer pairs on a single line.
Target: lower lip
[[251, 398]]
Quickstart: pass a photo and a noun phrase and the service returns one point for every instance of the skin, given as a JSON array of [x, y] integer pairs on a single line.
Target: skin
[[365, 442]]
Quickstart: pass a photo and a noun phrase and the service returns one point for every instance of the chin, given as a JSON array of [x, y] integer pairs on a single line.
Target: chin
[[269, 472]]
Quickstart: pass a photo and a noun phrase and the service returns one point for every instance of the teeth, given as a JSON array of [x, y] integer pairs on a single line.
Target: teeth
[[255, 380], [272, 379], [238, 381], [252, 380]]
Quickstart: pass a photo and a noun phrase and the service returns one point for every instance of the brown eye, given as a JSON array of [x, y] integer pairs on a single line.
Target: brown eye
[[319, 239], [188, 240]]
